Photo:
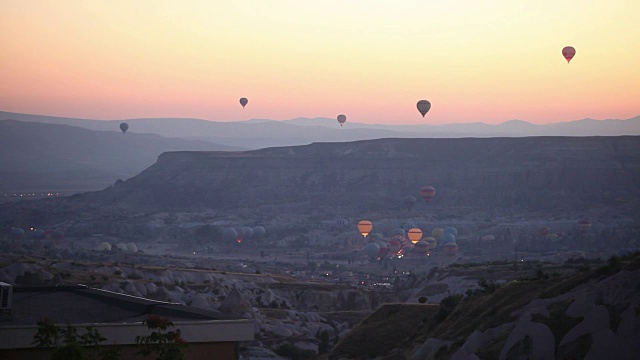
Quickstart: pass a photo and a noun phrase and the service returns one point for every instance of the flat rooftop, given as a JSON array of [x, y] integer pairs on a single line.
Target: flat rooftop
[[116, 315]]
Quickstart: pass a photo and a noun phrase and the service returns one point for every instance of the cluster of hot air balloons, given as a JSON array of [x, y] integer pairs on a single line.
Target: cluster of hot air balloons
[[568, 52], [243, 233], [397, 246], [423, 108]]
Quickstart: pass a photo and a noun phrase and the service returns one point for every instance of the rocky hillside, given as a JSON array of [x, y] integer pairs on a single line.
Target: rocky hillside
[[569, 311], [501, 175]]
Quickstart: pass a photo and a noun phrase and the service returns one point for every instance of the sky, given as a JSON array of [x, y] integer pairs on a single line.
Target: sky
[[487, 61]]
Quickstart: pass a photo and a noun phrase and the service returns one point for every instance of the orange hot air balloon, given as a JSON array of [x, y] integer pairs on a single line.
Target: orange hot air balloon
[[427, 193], [568, 52], [415, 235], [365, 227], [342, 119]]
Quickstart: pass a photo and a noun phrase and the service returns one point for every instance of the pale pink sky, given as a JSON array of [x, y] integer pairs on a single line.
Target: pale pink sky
[[488, 61]]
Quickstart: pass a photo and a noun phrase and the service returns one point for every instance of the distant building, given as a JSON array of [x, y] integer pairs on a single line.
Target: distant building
[[117, 317]]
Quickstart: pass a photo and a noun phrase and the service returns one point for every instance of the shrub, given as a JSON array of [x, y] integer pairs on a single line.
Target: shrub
[[164, 343]]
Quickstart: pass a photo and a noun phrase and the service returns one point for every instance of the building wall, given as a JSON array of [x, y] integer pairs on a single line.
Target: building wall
[[195, 351]]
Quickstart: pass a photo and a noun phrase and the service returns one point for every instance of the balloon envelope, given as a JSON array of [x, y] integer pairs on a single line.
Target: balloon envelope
[[372, 250], [421, 247], [124, 127], [408, 226], [398, 231], [451, 230], [584, 225], [432, 242], [259, 231], [365, 227], [437, 233], [244, 102], [415, 235], [342, 119], [423, 107], [450, 248], [230, 234], [104, 246], [568, 52], [449, 238], [427, 192]]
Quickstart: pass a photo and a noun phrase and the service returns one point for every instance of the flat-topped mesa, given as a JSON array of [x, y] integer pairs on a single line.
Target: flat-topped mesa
[[501, 174]]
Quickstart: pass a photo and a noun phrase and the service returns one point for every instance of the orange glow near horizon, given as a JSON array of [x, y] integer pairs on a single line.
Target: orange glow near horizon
[[488, 61]]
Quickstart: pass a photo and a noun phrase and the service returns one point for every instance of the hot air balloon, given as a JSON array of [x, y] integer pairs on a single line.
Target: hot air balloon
[[398, 232], [258, 232], [437, 233], [242, 232], [448, 238], [365, 227], [432, 242], [342, 119], [408, 226], [568, 52], [244, 102], [104, 246], [451, 248], [584, 225], [124, 127], [230, 234], [415, 235], [38, 234], [421, 247], [427, 193], [423, 107], [394, 246], [248, 232], [372, 250], [451, 230], [132, 247]]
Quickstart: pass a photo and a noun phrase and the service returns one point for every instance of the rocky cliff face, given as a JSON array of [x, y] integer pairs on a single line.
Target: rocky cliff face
[[504, 175]]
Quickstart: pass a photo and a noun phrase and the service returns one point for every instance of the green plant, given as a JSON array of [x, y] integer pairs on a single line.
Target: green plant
[[165, 344], [69, 345], [422, 299]]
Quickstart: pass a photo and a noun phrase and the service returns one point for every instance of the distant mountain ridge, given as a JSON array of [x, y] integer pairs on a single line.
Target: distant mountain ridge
[[39, 156], [260, 133]]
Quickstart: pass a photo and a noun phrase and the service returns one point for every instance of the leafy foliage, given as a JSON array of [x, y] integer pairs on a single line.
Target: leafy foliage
[[69, 345], [165, 344]]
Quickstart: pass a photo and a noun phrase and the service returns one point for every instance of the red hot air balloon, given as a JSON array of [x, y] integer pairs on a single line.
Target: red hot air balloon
[[427, 193], [568, 52]]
